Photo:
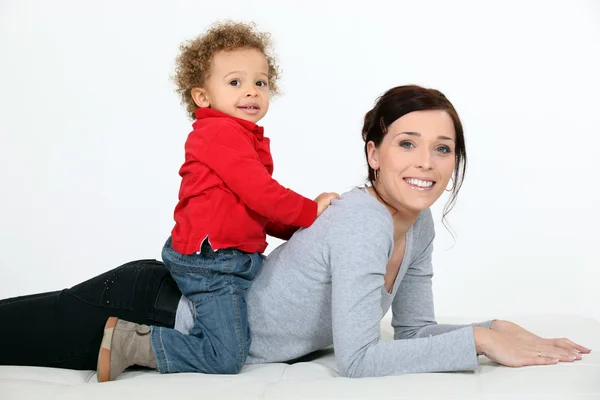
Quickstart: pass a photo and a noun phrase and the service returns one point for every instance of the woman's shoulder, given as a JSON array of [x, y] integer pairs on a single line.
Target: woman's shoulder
[[357, 203], [359, 213], [424, 227], [423, 233]]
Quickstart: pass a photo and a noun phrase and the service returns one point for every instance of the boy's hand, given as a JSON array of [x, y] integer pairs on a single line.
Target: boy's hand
[[324, 199]]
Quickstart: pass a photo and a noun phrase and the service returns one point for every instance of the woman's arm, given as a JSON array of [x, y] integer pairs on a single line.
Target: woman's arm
[[502, 341], [412, 309], [359, 248]]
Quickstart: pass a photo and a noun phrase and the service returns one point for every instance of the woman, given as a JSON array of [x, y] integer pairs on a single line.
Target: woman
[[329, 284]]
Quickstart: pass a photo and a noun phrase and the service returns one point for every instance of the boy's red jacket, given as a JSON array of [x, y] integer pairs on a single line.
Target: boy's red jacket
[[227, 192]]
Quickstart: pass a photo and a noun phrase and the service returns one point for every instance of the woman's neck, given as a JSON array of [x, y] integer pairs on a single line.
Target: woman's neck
[[403, 218]]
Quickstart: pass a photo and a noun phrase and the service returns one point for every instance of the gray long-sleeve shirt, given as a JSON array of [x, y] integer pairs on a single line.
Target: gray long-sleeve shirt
[[326, 286]]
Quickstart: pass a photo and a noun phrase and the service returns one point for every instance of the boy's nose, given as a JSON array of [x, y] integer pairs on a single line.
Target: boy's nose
[[251, 92]]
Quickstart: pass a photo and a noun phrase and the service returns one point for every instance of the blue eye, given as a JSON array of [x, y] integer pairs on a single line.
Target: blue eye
[[407, 145], [235, 82], [444, 149]]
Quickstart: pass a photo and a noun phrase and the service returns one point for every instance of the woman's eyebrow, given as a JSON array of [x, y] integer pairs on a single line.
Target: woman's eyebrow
[[441, 137]]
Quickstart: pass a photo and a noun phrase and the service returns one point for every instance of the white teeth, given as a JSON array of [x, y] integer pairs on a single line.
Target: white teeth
[[419, 183]]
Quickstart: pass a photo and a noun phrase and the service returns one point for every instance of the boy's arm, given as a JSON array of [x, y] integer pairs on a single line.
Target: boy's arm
[[233, 158], [280, 231]]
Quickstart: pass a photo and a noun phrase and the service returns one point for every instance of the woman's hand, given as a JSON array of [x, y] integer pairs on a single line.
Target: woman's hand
[[514, 348], [523, 335]]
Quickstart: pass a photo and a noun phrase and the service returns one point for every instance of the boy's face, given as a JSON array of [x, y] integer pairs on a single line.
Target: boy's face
[[237, 85]]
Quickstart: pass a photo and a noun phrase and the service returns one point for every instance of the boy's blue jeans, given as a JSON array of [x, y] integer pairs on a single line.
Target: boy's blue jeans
[[216, 282]]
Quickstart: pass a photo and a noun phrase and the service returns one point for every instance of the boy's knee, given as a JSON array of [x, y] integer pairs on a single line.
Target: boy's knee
[[231, 362], [230, 367]]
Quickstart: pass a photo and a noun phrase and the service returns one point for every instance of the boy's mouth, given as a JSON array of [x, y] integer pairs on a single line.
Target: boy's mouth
[[249, 105], [249, 108]]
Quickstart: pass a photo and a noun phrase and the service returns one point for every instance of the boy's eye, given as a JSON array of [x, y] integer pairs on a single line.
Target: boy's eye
[[235, 82], [261, 83]]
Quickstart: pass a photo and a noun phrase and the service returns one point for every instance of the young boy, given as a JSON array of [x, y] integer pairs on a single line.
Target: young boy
[[228, 203]]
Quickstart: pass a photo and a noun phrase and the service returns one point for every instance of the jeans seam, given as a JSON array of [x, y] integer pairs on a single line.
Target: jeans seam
[[128, 305], [225, 350], [240, 334], [162, 362]]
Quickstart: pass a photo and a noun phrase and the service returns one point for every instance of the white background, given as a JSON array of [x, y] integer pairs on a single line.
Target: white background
[[92, 133]]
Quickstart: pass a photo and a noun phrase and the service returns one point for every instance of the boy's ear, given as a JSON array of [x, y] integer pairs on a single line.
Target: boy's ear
[[200, 98]]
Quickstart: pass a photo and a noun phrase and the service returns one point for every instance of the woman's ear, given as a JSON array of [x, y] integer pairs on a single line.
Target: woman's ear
[[200, 97], [373, 155]]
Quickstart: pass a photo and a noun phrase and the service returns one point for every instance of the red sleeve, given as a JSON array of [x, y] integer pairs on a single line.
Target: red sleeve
[[231, 155], [280, 231]]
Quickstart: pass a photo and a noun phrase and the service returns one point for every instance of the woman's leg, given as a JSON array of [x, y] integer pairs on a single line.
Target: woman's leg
[[63, 329]]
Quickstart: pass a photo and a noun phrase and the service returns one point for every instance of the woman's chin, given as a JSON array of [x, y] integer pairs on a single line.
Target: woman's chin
[[419, 206], [419, 201]]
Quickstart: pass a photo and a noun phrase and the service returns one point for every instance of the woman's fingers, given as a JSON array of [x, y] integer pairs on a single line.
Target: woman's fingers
[[536, 360], [507, 350], [567, 344], [556, 353], [549, 355]]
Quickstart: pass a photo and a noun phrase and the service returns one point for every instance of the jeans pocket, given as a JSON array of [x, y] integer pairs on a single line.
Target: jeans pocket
[[112, 289], [246, 266]]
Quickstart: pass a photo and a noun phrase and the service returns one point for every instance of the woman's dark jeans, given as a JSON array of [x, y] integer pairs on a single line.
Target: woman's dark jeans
[[63, 329]]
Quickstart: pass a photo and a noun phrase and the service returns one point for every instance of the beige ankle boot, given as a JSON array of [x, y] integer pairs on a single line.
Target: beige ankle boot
[[124, 344]]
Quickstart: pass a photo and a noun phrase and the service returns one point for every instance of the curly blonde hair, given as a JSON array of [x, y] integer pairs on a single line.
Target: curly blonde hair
[[193, 63]]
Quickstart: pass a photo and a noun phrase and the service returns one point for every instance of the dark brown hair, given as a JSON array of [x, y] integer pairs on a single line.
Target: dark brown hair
[[400, 101], [193, 63]]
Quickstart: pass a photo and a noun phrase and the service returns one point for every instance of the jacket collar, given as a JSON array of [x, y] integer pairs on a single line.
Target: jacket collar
[[203, 113]]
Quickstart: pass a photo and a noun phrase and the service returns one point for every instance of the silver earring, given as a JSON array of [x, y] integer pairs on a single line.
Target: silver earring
[[451, 187]]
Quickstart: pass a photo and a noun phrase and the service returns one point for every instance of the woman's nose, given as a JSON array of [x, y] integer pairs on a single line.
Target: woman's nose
[[425, 160]]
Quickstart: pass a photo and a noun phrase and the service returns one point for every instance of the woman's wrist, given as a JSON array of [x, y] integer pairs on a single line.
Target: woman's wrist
[[496, 325], [482, 339]]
